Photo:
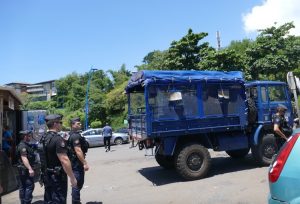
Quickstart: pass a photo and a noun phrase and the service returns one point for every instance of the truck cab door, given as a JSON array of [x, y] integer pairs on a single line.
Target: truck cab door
[[264, 106]]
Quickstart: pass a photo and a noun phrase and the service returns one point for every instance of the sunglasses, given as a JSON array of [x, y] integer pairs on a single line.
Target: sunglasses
[[60, 122]]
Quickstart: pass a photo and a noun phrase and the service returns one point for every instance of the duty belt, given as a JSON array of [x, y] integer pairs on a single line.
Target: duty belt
[[55, 170]]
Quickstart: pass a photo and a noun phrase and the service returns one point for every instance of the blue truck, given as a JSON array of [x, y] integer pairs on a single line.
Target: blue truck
[[182, 114]]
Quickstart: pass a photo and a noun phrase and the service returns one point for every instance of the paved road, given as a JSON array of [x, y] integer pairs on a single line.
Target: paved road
[[126, 176]]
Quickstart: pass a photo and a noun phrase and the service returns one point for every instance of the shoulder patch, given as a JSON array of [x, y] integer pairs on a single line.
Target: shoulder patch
[[62, 144], [277, 120]]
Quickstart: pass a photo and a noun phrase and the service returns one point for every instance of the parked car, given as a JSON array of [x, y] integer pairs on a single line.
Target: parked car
[[121, 136], [64, 134], [284, 177], [95, 138]]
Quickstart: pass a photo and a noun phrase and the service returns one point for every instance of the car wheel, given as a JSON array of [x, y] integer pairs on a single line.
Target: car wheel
[[118, 141], [193, 161]]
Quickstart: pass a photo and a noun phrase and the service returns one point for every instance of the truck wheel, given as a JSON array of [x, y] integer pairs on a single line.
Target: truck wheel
[[193, 161], [252, 111], [265, 150], [238, 153], [166, 162]]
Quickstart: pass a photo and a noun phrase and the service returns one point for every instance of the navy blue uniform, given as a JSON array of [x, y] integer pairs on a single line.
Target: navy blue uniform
[[26, 182], [284, 128], [77, 166], [56, 185]]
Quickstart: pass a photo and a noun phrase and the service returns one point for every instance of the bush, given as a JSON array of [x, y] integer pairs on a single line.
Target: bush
[[96, 124]]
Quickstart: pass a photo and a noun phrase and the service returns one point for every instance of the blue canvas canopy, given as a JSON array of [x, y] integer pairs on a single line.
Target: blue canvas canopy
[[142, 78]]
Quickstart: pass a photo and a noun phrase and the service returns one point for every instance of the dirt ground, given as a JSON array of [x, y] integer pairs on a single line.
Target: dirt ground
[[126, 175]]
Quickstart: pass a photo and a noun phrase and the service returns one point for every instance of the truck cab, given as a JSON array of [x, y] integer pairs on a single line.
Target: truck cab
[[267, 95], [182, 114]]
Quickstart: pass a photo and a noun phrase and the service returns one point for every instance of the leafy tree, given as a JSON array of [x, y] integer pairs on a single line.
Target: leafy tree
[[120, 76], [223, 60], [186, 53], [240, 47], [96, 124], [154, 60], [273, 53]]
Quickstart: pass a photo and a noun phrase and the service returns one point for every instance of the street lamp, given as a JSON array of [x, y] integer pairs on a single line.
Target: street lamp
[[87, 98]]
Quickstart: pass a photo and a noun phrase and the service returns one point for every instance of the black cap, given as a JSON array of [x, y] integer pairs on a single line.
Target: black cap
[[74, 120], [53, 117], [25, 132]]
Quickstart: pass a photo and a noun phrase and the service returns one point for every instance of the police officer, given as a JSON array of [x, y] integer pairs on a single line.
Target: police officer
[[280, 124], [26, 159], [58, 165], [79, 164]]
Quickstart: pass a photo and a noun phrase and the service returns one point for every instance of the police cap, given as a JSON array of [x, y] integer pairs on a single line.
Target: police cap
[[74, 120], [281, 106], [25, 132], [53, 117]]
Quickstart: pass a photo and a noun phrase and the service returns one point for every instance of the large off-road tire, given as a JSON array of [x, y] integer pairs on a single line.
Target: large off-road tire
[[238, 153], [263, 152], [193, 161], [252, 111], [166, 162]]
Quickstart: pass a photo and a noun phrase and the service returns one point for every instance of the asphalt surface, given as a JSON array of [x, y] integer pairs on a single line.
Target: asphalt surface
[[126, 175]]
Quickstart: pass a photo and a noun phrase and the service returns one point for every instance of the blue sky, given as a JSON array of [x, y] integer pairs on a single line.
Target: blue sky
[[45, 40]]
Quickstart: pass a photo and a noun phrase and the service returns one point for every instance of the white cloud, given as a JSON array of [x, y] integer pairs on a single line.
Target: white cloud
[[271, 11]]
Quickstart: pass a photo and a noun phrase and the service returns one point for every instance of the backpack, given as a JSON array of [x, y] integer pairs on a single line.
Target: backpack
[[41, 149], [83, 143]]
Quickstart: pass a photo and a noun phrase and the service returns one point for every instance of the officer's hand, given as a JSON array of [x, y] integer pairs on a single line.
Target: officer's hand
[[31, 173], [86, 167], [73, 182]]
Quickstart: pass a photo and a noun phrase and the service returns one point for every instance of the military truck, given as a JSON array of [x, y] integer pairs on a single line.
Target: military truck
[[182, 114]]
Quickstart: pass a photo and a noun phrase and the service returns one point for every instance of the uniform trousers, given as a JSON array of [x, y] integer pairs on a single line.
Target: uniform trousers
[[56, 188], [26, 186], [78, 171]]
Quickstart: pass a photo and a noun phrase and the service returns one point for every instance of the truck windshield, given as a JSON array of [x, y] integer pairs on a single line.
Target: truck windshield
[[137, 103], [276, 93]]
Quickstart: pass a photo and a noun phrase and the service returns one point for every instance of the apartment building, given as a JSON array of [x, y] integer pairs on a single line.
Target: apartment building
[[42, 91]]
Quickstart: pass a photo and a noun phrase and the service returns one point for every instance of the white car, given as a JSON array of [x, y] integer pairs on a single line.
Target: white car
[[95, 138]]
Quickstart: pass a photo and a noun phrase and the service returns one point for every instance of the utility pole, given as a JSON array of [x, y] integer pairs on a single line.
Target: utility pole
[[86, 126], [218, 41]]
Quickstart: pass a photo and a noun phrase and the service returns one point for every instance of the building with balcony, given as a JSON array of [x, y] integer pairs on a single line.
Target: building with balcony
[[42, 91]]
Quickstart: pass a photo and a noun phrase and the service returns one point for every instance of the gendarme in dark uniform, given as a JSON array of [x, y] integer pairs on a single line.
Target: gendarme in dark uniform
[[58, 165], [26, 160], [78, 151], [281, 129]]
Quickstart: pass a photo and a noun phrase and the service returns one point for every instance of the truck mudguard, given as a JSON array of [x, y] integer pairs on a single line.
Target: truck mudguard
[[256, 134]]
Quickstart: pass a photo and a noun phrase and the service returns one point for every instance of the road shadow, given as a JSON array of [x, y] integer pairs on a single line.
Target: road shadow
[[220, 165], [160, 176], [90, 202], [38, 202]]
